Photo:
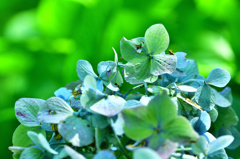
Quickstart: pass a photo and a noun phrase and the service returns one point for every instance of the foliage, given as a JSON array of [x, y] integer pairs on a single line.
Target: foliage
[[178, 114]]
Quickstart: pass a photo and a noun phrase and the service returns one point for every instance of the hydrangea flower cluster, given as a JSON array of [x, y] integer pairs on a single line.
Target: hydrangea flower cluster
[[171, 111]]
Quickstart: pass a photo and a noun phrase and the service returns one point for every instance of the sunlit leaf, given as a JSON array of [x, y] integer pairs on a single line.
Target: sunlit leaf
[[54, 110], [72, 153], [90, 97], [220, 143], [89, 83], [84, 68], [41, 142], [109, 106], [26, 110], [186, 88], [139, 73], [162, 63], [129, 51], [118, 125], [157, 39], [218, 77]]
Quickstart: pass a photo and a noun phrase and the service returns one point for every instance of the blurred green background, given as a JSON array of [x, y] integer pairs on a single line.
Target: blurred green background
[[41, 41]]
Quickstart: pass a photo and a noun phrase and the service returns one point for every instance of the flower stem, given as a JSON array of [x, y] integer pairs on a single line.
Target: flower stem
[[139, 86], [121, 147]]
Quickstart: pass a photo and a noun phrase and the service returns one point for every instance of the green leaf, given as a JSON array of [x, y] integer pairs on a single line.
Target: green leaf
[[111, 86], [84, 68], [26, 110], [31, 153], [162, 63], [72, 153], [144, 153], [130, 104], [41, 142], [139, 73], [218, 77], [99, 121], [17, 151], [213, 114], [104, 154], [221, 154], [157, 89], [100, 135], [162, 110], [89, 83], [155, 141], [106, 70], [157, 39], [191, 71], [146, 120], [187, 104], [20, 137], [205, 97], [129, 50], [136, 121], [77, 131], [62, 154], [220, 143], [186, 88], [221, 101], [204, 122], [89, 97], [227, 93], [181, 60], [227, 118], [117, 126], [54, 110], [236, 142], [180, 130], [200, 146], [110, 106]]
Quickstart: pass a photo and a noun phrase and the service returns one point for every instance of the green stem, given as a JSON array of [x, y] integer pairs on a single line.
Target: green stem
[[145, 86], [192, 80], [121, 147], [139, 86], [185, 149]]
